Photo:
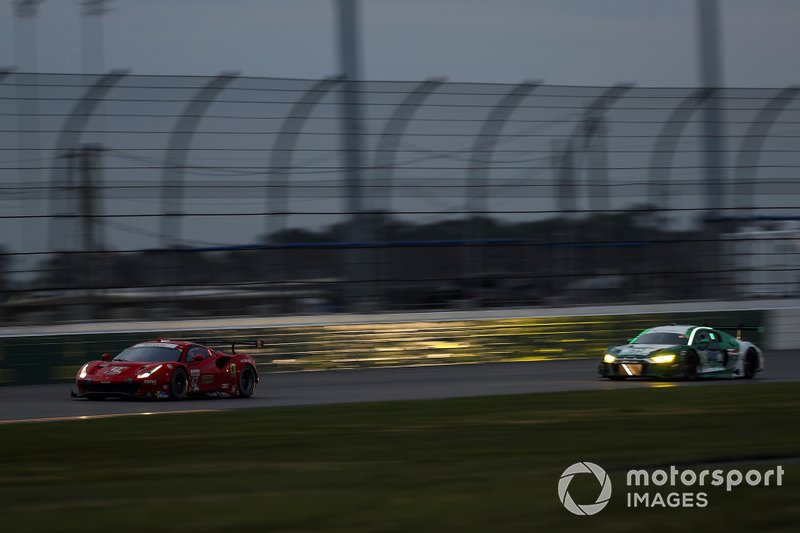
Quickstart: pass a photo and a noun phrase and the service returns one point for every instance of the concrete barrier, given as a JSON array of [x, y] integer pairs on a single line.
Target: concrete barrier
[[784, 328], [51, 354]]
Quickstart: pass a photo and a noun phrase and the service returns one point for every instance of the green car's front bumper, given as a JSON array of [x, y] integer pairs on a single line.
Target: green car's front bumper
[[640, 368]]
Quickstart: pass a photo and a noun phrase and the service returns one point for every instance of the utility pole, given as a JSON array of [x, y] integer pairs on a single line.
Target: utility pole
[[713, 135], [92, 39], [710, 75], [27, 107], [25, 34], [563, 164], [88, 277], [67, 211], [89, 156], [349, 58]]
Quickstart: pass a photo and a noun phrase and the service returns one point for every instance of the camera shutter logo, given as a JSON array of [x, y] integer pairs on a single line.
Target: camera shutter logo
[[584, 468]]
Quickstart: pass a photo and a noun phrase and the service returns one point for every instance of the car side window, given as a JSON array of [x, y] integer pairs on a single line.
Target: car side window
[[196, 350], [702, 336]]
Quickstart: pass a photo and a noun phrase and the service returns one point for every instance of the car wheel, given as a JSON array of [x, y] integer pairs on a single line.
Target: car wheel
[[690, 366], [178, 384], [750, 364], [247, 382]]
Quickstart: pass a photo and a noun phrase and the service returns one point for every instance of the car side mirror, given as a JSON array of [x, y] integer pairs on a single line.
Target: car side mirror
[[106, 357], [197, 357]]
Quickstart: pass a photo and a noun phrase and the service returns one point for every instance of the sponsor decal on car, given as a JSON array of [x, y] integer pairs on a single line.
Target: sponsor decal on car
[[208, 378]]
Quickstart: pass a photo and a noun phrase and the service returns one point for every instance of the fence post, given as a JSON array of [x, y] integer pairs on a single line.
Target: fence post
[[752, 144], [69, 139], [480, 163], [177, 151]]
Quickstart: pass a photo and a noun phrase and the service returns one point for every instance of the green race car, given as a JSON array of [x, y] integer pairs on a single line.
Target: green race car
[[688, 352]]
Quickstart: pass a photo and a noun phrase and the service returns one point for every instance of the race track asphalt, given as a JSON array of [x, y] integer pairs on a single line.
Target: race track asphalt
[[43, 402]]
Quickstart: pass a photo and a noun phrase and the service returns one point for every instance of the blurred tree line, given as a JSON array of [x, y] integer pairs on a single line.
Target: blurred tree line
[[478, 261]]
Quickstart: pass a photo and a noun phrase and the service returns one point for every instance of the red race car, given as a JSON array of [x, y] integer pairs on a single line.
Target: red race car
[[170, 369]]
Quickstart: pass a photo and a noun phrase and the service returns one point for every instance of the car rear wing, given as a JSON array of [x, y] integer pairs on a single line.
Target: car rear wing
[[258, 343]]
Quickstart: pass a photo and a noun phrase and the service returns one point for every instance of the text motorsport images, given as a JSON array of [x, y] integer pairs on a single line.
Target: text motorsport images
[[644, 488]]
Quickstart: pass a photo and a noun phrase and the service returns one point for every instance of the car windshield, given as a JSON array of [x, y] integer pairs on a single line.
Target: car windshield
[[150, 353], [661, 337]]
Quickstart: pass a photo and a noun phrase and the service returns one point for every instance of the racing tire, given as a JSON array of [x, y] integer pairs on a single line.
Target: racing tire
[[178, 384], [247, 382], [750, 364], [690, 367]]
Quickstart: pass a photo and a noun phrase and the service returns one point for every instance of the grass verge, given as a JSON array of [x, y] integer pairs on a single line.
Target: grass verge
[[478, 464]]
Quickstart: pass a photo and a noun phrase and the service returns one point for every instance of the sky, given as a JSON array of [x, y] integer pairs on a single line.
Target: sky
[[650, 43], [563, 42]]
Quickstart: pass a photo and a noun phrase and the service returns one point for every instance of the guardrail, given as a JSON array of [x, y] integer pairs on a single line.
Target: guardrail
[[335, 342]]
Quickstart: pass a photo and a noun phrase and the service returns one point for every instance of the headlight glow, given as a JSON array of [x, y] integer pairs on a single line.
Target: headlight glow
[[82, 372], [666, 358], [148, 373], [608, 358]]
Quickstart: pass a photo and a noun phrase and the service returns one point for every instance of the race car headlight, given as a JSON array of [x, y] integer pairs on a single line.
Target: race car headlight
[[147, 373], [666, 358], [608, 358], [82, 371]]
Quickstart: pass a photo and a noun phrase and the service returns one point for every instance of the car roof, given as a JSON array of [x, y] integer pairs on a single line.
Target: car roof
[[674, 328], [166, 343]]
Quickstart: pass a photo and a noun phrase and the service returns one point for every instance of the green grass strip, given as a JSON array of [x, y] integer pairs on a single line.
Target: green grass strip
[[478, 464]]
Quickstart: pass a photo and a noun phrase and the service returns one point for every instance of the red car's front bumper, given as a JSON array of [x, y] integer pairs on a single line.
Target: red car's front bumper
[[145, 389]]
